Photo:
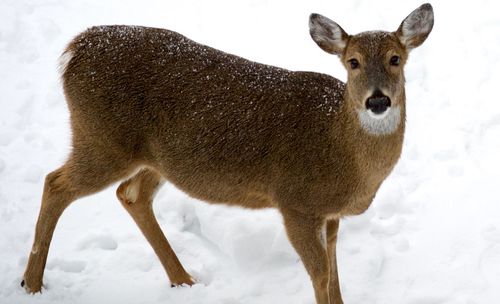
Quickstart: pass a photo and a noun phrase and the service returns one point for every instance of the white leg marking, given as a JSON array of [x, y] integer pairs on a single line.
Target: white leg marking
[[322, 236], [132, 192]]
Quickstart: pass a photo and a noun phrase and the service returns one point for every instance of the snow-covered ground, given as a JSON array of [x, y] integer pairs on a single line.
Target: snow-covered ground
[[432, 235]]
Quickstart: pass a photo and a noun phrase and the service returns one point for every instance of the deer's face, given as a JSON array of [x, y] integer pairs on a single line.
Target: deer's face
[[374, 62]]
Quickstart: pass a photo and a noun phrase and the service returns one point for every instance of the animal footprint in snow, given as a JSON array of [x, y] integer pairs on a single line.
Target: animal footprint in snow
[[105, 242], [401, 244], [389, 227], [386, 210], [455, 170], [2, 165], [33, 174], [491, 234], [490, 255], [6, 138], [429, 300], [67, 265]]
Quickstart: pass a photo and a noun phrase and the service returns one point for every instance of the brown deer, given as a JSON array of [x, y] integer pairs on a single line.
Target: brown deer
[[149, 105]]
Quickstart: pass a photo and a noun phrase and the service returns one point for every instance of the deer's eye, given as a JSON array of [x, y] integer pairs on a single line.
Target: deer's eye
[[354, 63], [395, 60]]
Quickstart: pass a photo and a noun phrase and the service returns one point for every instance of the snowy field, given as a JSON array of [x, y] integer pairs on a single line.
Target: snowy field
[[431, 236]]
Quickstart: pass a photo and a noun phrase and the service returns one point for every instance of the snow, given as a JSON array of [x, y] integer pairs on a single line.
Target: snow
[[431, 236]]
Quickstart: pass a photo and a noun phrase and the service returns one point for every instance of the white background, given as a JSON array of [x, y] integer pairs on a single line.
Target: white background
[[432, 235]]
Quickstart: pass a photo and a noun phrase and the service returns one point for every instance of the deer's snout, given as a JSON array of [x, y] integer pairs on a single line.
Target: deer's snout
[[378, 103]]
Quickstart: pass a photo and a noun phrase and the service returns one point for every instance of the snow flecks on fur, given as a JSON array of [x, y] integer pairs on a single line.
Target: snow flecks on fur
[[374, 38], [222, 72]]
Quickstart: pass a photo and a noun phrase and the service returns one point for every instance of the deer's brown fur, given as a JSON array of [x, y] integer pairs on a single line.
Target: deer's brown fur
[[224, 130]]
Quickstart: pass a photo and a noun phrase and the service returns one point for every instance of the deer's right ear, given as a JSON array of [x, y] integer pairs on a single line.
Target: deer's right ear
[[416, 27], [327, 34]]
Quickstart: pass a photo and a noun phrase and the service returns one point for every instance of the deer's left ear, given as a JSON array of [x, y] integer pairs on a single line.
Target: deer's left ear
[[416, 27], [327, 34]]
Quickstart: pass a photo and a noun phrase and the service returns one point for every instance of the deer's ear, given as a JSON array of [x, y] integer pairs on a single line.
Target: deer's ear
[[416, 27], [327, 34]]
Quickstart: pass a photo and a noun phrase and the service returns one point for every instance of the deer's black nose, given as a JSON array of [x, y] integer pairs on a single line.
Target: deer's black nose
[[378, 103]]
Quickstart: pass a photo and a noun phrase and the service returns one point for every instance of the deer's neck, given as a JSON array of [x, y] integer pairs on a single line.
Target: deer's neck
[[376, 143]]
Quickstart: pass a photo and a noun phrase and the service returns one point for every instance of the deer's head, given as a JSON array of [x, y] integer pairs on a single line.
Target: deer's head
[[374, 61]]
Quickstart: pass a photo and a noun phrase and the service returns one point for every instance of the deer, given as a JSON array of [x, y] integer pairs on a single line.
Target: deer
[[149, 106]]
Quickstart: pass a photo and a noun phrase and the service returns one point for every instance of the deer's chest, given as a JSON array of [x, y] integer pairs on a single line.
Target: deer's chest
[[372, 171]]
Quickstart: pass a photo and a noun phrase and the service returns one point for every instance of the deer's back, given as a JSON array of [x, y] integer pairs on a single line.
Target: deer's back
[[197, 112]]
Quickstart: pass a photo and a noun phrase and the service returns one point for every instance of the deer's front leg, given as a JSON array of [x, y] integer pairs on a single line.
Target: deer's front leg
[[332, 227], [305, 234]]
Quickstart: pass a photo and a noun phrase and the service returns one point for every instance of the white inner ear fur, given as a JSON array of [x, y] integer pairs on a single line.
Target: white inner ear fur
[[337, 35], [383, 124], [417, 23]]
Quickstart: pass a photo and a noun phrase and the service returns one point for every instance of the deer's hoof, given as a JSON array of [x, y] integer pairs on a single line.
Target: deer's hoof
[[188, 281], [29, 289]]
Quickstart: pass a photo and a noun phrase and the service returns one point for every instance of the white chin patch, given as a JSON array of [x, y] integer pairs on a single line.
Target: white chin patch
[[380, 124], [379, 116]]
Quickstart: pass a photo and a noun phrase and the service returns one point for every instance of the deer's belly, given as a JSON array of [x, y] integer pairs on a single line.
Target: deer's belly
[[212, 188]]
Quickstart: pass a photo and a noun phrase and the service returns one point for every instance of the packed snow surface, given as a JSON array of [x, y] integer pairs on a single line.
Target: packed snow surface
[[431, 236]]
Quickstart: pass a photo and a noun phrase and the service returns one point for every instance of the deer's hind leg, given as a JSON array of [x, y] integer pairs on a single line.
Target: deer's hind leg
[[87, 171], [136, 195]]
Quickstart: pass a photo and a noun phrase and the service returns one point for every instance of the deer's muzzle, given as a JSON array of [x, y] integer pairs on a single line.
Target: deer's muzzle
[[378, 103]]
